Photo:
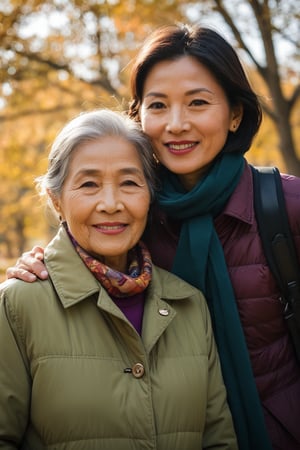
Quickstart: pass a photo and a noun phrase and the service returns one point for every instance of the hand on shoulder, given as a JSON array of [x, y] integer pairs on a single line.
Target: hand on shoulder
[[29, 266]]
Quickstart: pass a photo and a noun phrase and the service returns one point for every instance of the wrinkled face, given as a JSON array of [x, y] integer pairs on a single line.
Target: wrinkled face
[[187, 115], [105, 199]]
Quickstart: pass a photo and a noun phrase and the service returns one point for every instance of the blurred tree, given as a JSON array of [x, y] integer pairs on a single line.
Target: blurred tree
[[59, 57], [93, 41], [268, 32]]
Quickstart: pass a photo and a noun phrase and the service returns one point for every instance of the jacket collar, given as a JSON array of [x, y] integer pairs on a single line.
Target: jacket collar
[[71, 278], [74, 282], [241, 202]]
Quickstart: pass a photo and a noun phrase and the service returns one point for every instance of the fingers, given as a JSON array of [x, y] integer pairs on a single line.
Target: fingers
[[15, 272], [36, 252], [29, 266]]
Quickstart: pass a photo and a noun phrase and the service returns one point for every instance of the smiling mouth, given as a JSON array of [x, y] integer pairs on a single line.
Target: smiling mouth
[[181, 148], [111, 229]]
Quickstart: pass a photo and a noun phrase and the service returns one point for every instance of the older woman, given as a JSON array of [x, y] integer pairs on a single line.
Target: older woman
[[110, 352]]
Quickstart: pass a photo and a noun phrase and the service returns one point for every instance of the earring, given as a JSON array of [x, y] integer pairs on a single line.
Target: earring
[[234, 127], [155, 158], [61, 220]]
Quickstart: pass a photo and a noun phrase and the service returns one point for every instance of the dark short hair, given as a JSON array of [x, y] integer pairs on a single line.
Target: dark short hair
[[217, 55]]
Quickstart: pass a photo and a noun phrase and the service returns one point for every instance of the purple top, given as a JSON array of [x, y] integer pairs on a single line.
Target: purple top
[[133, 308]]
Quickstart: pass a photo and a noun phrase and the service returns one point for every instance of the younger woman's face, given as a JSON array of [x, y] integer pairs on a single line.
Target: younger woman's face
[[187, 115]]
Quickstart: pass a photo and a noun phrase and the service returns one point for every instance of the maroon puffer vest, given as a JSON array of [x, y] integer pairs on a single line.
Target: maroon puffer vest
[[276, 371]]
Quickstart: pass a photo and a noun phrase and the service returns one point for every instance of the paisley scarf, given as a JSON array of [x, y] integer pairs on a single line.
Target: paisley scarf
[[200, 261], [116, 283]]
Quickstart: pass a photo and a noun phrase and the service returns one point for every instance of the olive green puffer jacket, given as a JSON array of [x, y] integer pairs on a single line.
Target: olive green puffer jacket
[[75, 375]]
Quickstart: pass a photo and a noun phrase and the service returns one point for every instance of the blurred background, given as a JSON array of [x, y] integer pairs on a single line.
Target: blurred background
[[60, 57]]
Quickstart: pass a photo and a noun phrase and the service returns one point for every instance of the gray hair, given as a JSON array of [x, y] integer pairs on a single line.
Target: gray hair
[[89, 126]]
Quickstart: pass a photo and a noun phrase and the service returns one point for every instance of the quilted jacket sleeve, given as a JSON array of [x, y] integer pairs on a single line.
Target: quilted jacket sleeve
[[14, 379]]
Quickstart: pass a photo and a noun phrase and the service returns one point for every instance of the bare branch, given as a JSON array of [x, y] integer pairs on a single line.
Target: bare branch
[[228, 19]]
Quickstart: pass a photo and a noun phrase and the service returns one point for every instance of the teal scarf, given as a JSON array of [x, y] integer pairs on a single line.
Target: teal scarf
[[200, 261]]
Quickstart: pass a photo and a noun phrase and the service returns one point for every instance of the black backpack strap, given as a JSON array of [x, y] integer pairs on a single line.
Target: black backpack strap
[[278, 243], [274, 228]]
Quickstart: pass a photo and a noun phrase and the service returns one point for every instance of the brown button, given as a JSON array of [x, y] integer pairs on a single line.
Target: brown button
[[138, 370]]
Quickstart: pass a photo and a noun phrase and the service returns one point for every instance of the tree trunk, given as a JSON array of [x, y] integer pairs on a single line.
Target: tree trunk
[[286, 143]]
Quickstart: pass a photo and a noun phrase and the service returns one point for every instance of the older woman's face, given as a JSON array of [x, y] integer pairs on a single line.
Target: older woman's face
[[105, 199], [186, 113]]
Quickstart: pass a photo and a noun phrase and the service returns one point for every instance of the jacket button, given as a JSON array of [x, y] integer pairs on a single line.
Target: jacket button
[[163, 312], [138, 370]]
